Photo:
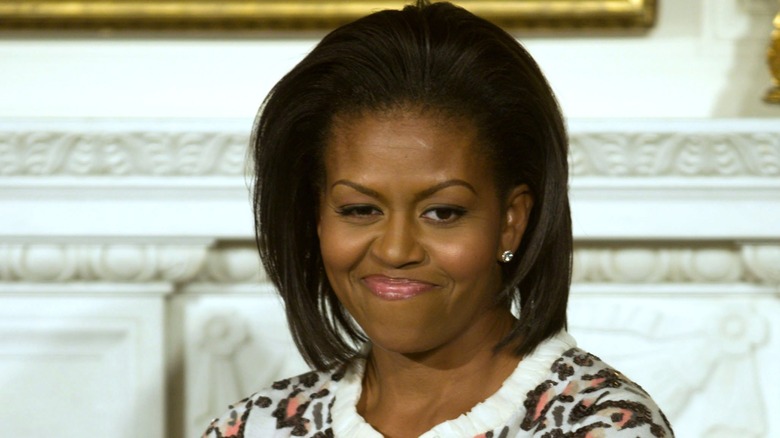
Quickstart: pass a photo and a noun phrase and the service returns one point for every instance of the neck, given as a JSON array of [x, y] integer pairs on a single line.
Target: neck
[[442, 383]]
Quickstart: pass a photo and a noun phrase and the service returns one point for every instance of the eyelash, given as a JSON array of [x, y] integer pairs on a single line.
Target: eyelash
[[366, 211], [455, 213], [354, 210]]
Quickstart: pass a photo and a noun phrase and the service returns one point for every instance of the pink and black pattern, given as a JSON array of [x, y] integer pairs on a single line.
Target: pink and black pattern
[[297, 407], [587, 398], [581, 397]]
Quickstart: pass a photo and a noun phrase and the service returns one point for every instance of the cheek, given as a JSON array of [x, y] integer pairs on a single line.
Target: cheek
[[470, 258], [466, 262], [341, 248]]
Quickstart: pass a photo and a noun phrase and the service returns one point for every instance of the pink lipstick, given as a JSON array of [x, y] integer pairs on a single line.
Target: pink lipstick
[[394, 289]]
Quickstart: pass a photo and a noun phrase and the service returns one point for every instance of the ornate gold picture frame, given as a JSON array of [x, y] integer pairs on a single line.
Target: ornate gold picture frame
[[231, 15]]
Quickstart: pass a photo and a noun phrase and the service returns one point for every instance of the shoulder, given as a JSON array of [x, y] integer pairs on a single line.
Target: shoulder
[[298, 406], [585, 396]]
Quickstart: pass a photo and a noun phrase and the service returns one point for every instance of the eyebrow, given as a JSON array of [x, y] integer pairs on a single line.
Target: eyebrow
[[417, 197]]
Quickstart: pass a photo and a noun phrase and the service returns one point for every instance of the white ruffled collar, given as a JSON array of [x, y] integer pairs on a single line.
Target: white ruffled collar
[[492, 413]]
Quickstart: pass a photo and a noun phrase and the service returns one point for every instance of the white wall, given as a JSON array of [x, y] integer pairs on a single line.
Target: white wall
[[125, 228], [703, 59]]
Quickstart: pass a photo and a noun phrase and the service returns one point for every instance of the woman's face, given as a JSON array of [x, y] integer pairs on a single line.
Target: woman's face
[[411, 229]]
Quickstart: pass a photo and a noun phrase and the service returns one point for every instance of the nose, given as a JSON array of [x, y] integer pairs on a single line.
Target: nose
[[398, 245]]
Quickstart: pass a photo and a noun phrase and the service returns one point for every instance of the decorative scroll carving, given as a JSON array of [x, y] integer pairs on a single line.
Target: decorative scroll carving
[[239, 345], [675, 154], [223, 153], [222, 335], [122, 154]]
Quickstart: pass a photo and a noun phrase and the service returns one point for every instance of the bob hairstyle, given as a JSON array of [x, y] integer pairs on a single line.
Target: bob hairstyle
[[434, 57]]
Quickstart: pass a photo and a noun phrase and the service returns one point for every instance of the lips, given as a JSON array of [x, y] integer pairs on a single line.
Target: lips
[[395, 289]]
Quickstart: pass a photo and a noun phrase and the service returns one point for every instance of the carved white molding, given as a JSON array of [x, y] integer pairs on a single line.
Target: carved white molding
[[122, 263], [676, 271], [235, 345], [122, 148], [119, 180], [763, 262], [697, 263], [122, 154], [159, 149], [655, 154], [238, 263]]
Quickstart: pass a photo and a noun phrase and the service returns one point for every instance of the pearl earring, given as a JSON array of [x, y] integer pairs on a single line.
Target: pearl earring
[[507, 256]]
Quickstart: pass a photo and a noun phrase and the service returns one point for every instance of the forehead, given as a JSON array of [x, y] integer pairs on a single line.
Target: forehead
[[404, 143]]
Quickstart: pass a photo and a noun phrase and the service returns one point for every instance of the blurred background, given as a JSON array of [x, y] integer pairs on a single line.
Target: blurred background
[[132, 303]]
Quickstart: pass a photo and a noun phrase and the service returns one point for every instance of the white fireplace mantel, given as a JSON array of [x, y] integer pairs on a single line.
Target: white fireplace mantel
[[130, 282], [185, 180]]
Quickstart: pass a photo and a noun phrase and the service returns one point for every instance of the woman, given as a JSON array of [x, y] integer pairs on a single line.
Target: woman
[[411, 191]]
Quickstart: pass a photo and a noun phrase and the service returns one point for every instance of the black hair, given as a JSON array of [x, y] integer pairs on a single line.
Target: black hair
[[432, 56]]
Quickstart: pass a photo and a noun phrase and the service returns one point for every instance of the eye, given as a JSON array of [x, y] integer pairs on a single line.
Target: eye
[[444, 214], [358, 211]]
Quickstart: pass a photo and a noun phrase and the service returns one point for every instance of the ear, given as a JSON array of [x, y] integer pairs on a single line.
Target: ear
[[517, 210]]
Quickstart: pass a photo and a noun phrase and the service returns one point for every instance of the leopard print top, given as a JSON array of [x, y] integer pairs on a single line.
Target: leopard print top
[[565, 395]]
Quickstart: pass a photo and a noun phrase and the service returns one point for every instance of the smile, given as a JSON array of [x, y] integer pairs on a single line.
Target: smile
[[395, 289]]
